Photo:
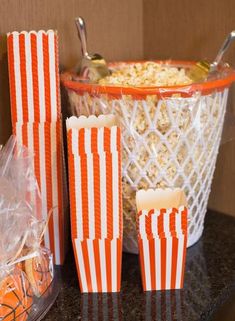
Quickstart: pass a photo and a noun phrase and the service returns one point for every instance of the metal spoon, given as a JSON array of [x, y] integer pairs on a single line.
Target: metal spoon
[[203, 69], [93, 67]]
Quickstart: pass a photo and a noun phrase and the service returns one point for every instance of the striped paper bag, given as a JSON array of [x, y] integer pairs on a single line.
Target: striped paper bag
[[162, 238], [96, 201]]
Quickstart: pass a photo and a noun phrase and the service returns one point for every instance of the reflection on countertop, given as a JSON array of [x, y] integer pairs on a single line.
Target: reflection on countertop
[[209, 282]]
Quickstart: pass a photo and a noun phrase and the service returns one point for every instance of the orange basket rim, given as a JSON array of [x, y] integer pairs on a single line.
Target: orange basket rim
[[205, 87]]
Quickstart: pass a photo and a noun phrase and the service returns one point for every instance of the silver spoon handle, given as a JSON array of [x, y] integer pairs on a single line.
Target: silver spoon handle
[[224, 48], [81, 28]]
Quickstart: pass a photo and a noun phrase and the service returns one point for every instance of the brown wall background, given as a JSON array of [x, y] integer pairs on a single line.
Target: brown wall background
[[195, 30], [132, 29], [114, 30]]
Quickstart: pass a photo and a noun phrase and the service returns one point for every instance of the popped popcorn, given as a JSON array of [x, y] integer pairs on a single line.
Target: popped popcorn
[[146, 74]]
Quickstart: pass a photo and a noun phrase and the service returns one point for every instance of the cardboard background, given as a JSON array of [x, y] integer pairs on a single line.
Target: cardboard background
[[131, 29]]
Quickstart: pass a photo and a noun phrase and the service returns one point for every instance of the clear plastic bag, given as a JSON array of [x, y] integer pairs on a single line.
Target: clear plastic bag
[[26, 268], [38, 266], [17, 206]]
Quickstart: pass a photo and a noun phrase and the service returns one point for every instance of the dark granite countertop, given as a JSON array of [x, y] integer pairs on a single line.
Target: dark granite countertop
[[209, 286]]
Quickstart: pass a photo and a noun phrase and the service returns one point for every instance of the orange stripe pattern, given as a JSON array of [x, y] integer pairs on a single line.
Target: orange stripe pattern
[[37, 123], [33, 75], [45, 141], [96, 207], [98, 264], [162, 239]]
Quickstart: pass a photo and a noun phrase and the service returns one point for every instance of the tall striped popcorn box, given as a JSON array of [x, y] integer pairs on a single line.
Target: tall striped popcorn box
[[34, 76], [45, 141], [162, 238], [37, 124], [94, 151]]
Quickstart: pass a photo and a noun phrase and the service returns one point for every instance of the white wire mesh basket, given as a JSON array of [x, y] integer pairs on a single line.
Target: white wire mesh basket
[[170, 138]]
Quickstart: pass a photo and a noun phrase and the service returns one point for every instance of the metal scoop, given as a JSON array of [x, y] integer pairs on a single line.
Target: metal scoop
[[203, 69], [93, 67]]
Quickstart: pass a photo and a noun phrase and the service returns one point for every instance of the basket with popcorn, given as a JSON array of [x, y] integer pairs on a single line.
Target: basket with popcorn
[[171, 130]]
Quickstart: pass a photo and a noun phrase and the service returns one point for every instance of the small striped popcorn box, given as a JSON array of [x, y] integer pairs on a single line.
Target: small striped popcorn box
[[34, 76], [163, 222], [44, 140], [96, 196], [162, 238]]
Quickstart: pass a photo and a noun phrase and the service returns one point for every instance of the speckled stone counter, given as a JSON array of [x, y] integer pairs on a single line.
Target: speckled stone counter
[[209, 283]]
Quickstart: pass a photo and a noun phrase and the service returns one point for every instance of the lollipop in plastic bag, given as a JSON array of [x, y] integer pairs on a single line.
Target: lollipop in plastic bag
[[19, 206], [16, 295], [39, 268]]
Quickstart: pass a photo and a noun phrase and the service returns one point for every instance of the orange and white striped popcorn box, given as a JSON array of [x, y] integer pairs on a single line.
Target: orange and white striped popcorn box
[[162, 238], [95, 177], [44, 140], [34, 76], [96, 194], [36, 120]]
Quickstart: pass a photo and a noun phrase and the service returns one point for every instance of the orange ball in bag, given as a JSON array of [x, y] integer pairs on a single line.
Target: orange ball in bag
[[40, 272], [15, 297]]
